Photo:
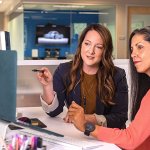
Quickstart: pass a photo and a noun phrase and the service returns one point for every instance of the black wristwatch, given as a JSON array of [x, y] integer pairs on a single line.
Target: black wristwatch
[[89, 127]]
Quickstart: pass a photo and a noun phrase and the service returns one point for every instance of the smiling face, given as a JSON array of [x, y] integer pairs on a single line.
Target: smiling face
[[141, 54], [91, 51]]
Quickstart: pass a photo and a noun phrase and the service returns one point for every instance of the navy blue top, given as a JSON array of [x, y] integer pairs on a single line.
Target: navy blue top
[[116, 115]]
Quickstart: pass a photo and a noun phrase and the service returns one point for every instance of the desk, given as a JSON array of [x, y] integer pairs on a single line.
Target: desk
[[57, 125]]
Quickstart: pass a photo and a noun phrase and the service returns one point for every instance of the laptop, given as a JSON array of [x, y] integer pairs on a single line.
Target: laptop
[[8, 82]]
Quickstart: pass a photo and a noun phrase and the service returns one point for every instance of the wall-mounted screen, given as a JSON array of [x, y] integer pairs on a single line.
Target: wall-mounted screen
[[51, 34]]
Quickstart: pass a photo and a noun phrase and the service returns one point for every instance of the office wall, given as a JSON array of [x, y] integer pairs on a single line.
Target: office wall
[[110, 22], [16, 26], [121, 31], [1, 21]]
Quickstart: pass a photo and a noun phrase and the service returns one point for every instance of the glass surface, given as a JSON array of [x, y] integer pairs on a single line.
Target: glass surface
[[77, 17], [138, 17], [140, 21]]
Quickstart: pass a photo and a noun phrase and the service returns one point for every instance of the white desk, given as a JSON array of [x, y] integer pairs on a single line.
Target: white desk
[[57, 125]]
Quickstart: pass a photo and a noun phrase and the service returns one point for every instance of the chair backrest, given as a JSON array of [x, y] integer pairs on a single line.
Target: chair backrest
[[124, 64]]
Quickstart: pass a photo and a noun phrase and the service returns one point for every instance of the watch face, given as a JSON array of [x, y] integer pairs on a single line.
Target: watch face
[[89, 127]]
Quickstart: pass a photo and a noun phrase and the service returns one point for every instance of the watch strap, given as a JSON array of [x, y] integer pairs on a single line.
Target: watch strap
[[86, 132], [89, 127]]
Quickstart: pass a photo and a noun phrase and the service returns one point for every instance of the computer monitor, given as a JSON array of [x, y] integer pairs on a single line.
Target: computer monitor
[[8, 84], [8, 80], [4, 40]]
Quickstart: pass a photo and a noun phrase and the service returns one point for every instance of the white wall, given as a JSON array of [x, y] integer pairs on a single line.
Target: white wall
[[16, 28]]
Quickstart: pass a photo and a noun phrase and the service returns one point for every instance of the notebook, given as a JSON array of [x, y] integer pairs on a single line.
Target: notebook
[[8, 82]]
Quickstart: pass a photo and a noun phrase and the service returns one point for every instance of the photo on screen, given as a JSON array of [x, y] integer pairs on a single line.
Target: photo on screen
[[52, 34]]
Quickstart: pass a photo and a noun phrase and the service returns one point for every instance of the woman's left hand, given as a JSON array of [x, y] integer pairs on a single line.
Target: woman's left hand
[[76, 115], [66, 119]]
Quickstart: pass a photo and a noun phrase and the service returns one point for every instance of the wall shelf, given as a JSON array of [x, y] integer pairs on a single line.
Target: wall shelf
[[41, 62]]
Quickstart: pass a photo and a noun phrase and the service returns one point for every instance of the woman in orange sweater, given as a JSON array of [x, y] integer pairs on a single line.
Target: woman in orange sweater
[[137, 135]]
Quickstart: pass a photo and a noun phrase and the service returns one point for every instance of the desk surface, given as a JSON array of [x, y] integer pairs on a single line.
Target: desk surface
[[57, 125]]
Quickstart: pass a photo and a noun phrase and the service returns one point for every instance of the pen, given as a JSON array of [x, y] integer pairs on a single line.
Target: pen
[[38, 70], [94, 146], [39, 143], [13, 142]]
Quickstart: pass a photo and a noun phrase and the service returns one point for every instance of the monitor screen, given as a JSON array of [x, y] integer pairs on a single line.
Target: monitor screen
[[4, 40], [52, 34]]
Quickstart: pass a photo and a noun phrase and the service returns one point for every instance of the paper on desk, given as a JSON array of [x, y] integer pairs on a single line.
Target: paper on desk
[[89, 144], [3, 128], [103, 146]]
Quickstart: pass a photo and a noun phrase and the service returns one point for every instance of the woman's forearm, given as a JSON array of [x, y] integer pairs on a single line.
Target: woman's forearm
[[48, 94], [91, 118]]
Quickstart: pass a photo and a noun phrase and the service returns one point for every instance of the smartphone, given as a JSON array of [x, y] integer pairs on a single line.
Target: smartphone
[[38, 123]]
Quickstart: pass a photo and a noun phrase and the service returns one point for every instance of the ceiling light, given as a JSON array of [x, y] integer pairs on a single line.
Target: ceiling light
[[20, 8], [68, 6], [0, 1]]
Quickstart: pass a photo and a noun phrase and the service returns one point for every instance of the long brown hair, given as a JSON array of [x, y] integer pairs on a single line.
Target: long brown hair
[[105, 83]]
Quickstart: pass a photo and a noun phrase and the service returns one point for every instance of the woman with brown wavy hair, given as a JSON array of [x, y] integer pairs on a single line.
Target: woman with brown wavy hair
[[91, 80]]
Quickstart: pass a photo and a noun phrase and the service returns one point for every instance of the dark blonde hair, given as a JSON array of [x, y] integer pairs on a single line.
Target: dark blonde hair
[[105, 83]]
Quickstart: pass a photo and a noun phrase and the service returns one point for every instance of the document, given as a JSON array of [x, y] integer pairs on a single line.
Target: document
[[3, 128], [89, 143]]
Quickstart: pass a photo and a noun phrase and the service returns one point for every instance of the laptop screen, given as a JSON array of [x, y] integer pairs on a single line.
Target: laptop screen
[[8, 80]]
